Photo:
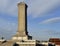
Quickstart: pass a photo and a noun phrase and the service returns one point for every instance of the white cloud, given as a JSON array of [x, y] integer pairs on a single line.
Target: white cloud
[[9, 6], [35, 7], [39, 7], [51, 20]]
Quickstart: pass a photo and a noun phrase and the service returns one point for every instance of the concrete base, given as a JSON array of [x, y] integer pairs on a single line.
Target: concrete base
[[19, 43], [22, 38], [27, 43]]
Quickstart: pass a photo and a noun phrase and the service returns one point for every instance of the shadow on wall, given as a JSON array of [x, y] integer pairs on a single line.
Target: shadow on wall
[[40, 45], [44, 45], [15, 44]]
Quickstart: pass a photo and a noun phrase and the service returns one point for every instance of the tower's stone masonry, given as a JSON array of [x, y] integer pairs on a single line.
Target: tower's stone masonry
[[22, 33]]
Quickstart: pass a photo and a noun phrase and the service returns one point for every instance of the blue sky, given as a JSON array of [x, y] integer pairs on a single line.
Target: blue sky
[[43, 18]]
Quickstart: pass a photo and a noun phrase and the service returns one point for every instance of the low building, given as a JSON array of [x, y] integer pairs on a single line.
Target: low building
[[55, 40]]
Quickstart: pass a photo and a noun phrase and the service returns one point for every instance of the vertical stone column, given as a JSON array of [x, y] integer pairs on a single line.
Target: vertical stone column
[[22, 33], [22, 18]]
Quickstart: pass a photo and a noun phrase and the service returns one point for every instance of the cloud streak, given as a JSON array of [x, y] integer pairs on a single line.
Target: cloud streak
[[51, 20], [9, 6], [40, 7]]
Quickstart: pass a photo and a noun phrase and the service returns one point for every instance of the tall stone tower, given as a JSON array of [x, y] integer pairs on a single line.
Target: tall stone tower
[[22, 33]]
